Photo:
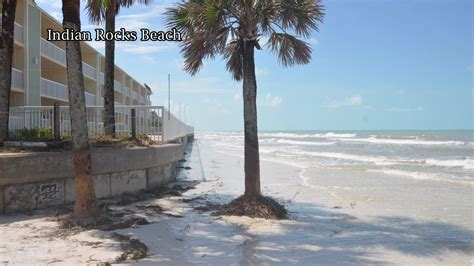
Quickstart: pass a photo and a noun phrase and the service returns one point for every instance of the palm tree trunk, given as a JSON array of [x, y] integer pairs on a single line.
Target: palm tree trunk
[[6, 56], [85, 202], [109, 101], [252, 156]]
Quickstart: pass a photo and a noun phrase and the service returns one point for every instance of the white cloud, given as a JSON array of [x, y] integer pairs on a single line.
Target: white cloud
[[149, 59], [143, 48], [237, 98], [50, 3], [355, 100], [405, 110], [57, 15], [260, 72], [313, 41], [269, 100], [215, 105]]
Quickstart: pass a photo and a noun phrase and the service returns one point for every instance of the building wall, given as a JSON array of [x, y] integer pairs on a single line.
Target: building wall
[[40, 74]]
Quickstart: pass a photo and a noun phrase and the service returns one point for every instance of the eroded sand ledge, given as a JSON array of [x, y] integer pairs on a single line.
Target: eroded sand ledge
[[324, 228]]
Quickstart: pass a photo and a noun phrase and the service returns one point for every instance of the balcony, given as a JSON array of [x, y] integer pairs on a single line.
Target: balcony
[[53, 89], [134, 95], [17, 79], [126, 91], [17, 32], [90, 99], [52, 51], [117, 86], [88, 70]]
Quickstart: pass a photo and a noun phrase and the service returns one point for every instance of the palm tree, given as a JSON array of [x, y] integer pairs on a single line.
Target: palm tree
[[233, 29], [6, 57], [100, 10], [85, 201]]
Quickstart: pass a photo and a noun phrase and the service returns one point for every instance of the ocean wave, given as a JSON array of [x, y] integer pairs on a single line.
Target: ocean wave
[[302, 135], [402, 141], [378, 160], [425, 176], [466, 163], [306, 143]]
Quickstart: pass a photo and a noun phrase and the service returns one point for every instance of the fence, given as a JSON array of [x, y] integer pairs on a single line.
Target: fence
[[153, 121]]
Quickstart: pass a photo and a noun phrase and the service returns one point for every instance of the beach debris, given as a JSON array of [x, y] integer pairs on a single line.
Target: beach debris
[[255, 207], [337, 207], [132, 249]]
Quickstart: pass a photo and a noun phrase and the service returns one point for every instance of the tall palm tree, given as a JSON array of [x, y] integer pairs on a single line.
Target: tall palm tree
[[100, 10], [233, 29], [6, 57], [85, 201]]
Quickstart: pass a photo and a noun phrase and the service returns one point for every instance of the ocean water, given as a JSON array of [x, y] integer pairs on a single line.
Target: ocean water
[[433, 156]]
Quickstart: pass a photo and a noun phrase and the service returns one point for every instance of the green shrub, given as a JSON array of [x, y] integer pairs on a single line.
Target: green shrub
[[33, 134]]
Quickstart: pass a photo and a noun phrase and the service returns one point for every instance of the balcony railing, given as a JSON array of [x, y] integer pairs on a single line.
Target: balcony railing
[[53, 51], [117, 86], [88, 70], [53, 89], [126, 91], [17, 32], [17, 78], [90, 99], [134, 95]]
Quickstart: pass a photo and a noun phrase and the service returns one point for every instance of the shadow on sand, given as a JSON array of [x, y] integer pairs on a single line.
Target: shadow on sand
[[313, 235]]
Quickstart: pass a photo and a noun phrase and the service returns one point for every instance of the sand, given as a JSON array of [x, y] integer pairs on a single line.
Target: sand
[[331, 222]]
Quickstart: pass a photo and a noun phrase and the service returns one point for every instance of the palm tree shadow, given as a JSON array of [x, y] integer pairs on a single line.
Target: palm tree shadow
[[315, 234]]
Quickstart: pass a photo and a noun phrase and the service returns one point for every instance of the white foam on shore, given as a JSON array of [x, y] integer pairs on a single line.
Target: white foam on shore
[[378, 160], [301, 135], [466, 163], [401, 141], [304, 143], [424, 176]]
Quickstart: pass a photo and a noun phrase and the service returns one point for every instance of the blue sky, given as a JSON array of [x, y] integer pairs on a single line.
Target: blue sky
[[377, 64]]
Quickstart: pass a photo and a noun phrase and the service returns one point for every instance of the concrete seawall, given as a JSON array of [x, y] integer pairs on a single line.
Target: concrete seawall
[[38, 180]]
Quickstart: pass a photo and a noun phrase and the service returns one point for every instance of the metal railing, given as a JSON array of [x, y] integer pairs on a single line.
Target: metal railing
[[17, 32], [17, 78], [54, 89], [88, 70], [117, 86], [53, 51], [134, 95], [90, 98], [152, 121]]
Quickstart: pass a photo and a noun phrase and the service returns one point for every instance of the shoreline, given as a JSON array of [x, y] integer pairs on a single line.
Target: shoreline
[[322, 228]]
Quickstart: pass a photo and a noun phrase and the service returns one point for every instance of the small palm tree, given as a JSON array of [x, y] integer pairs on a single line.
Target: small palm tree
[[233, 29], [100, 10], [85, 201], [6, 56]]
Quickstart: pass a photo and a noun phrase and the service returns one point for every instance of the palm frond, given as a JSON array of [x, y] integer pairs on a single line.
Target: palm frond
[[290, 50], [233, 55]]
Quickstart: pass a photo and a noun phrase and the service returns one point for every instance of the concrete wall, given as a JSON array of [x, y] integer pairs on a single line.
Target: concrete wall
[[39, 180]]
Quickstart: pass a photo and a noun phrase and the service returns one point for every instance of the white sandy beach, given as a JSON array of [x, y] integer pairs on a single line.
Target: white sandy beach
[[339, 218]]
